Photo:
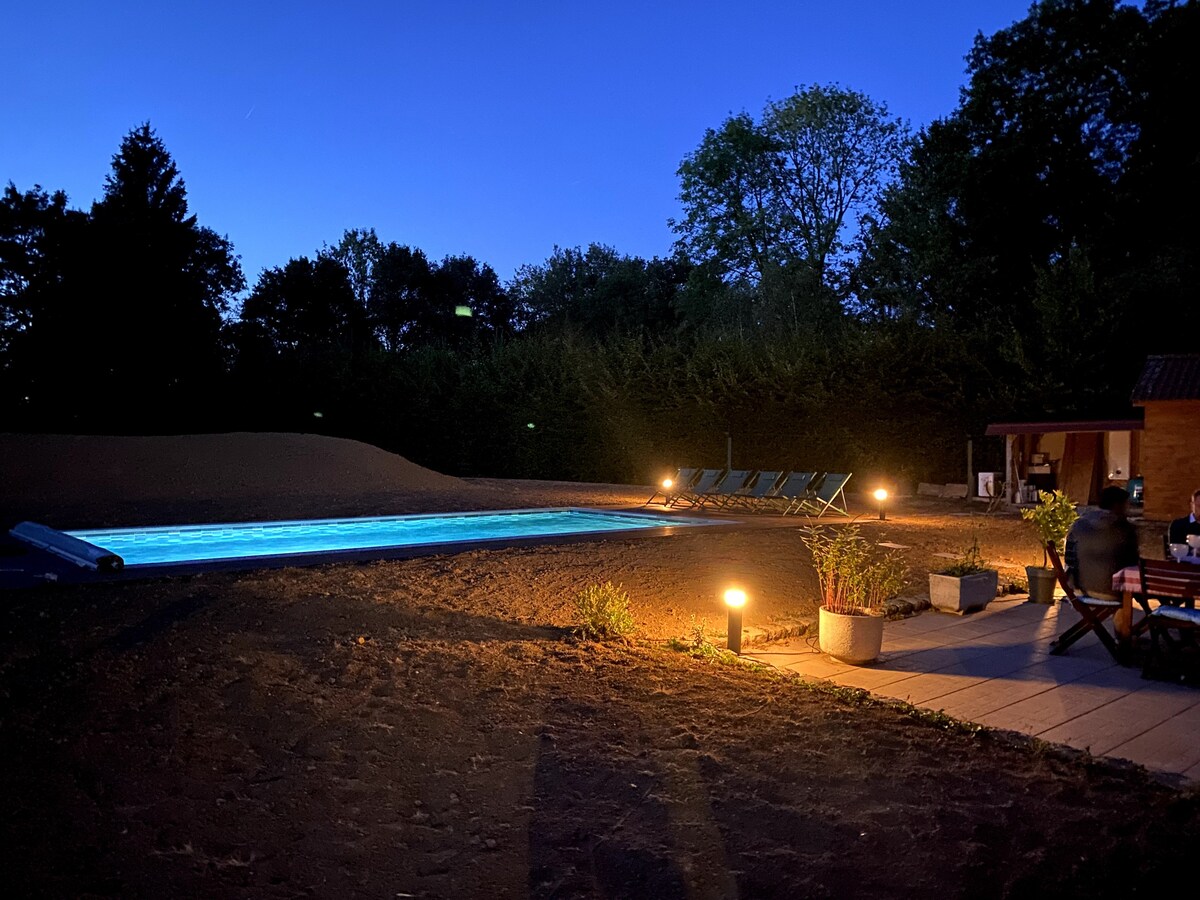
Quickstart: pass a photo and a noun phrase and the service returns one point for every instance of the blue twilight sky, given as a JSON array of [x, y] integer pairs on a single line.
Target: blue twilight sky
[[497, 129]]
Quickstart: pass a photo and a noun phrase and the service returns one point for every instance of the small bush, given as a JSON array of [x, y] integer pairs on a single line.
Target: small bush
[[696, 643], [603, 612], [971, 563], [854, 580], [1052, 518]]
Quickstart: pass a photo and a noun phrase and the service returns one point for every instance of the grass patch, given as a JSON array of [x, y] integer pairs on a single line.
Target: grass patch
[[697, 645], [602, 612]]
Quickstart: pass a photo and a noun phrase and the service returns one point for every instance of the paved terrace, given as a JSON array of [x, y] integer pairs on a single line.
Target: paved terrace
[[994, 668]]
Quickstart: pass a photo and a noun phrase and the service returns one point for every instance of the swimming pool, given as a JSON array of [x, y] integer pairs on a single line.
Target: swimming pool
[[167, 546]]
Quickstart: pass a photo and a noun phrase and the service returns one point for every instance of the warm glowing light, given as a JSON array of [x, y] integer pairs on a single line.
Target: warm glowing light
[[881, 494], [667, 482], [735, 597]]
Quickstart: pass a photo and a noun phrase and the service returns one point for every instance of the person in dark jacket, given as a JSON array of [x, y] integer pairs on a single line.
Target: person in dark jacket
[[1101, 543], [1181, 528]]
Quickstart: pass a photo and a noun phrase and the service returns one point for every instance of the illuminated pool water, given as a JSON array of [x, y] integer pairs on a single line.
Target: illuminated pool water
[[249, 540]]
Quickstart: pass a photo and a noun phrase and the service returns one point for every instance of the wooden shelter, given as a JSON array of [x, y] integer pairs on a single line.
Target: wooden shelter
[[1078, 457]]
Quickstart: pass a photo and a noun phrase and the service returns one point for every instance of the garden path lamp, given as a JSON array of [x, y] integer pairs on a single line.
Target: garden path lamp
[[667, 484], [881, 496], [735, 599]]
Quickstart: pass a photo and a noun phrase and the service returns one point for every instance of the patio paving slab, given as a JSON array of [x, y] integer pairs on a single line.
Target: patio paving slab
[[1124, 719], [973, 702], [994, 668], [1172, 746]]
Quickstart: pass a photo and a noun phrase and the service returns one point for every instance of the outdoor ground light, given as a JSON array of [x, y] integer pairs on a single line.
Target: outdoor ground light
[[881, 496], [735, 599]]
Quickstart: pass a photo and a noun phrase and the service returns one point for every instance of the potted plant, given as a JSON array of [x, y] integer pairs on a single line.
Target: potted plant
[[1052, 518], [855, 586], [966, 586]]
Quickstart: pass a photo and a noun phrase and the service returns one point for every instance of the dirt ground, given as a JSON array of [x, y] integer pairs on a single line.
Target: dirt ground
[[429, 728]]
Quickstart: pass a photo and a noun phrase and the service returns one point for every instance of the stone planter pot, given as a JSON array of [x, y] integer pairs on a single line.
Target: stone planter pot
[[852, 639], [970, 593], [1042, 583]]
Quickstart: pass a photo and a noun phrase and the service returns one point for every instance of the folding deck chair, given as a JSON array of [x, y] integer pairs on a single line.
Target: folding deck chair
[[1174, 585], [825, 498], [794, 490], [680, 482], [1093, 612], [723, 491], [757, 493], [704, 483]]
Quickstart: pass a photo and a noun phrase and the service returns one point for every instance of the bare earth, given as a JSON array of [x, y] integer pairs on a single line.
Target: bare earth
[[429, 728]]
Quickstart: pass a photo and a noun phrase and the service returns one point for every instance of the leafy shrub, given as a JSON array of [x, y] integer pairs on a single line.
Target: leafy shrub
[[854, 580], [603, 612], [1052, 518], [971, 563]]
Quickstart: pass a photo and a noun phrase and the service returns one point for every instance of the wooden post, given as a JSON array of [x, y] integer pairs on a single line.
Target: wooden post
[[972, 489], [1010, 484]]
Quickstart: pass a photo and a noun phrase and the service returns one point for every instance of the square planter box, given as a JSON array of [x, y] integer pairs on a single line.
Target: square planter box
[[969, 593]]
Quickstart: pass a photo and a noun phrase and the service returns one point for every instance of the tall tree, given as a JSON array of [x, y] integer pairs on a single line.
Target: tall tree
[[117, 314], [358, 251], [1034, 219], [466, 300], [601, 292], [31, 234], [781, 202], [400, 289], [165, 279], [307, 306], [299, 346]]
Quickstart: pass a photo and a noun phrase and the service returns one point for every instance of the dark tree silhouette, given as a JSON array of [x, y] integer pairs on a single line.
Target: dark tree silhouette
[[118, 314], [465, 301], [780, 203], [601, 293], [307, 306], [398, 294], [1048, 221], [34, 226]]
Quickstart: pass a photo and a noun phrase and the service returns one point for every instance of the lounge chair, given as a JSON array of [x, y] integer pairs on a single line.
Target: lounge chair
[[726, 489], [705, 481], [683, 478], [757, 493], [788, 496], [825, 498], [1093, 612]]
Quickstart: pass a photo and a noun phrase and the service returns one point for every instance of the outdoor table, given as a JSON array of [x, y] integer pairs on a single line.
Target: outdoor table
[[1128, 582]]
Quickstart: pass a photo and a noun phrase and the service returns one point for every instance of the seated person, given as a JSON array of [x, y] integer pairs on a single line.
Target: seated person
[[1101, 543], [1181, 528]]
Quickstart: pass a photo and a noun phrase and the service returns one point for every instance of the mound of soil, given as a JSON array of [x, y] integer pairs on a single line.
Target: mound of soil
[[78, 480]]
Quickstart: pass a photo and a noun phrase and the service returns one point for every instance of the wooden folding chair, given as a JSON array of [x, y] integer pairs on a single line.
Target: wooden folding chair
[[1175, 585], [1093, 612]]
